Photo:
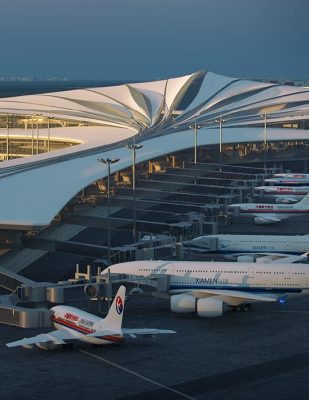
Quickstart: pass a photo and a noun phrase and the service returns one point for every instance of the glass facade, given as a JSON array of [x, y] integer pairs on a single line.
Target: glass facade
[[22, 136]]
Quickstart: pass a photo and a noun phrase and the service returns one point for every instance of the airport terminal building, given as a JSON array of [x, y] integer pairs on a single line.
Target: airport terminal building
[[50, 143]]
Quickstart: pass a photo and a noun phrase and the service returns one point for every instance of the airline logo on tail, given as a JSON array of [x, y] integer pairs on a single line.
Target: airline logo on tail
[[119, 305]]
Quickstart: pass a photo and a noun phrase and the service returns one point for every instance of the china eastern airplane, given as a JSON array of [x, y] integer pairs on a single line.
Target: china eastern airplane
[[210, 288], [74, 324], [270, 213], [285, 194], [289, 179], [291, 175]]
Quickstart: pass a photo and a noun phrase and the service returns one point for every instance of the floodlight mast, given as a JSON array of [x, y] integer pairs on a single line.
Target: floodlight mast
[[220, 122], [108, 162], [195, 128], [265, 116], [133, 147]]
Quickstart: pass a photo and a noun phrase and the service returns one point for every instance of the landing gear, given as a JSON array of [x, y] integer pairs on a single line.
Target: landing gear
[[68, 346], [246, 307], [242, 307]]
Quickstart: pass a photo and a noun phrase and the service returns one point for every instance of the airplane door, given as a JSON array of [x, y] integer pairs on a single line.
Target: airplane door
[[251, 272], [171, 269], [287, 273]]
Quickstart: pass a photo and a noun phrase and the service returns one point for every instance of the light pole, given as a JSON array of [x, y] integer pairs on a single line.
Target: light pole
[[265, 140], [108, 162], [220, 122], [134, 147], [195, 128]]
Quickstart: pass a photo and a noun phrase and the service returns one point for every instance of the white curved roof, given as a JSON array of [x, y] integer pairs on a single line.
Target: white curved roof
[[34, 189]]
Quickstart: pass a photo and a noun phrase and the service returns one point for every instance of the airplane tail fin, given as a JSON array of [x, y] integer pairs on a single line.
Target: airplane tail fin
[[304, 201], [114, 316]]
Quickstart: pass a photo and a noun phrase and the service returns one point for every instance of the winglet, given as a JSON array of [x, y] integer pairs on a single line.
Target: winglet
[[115, 313]]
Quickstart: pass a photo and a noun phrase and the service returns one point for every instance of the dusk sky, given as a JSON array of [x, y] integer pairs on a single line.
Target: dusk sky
[[148, 39]]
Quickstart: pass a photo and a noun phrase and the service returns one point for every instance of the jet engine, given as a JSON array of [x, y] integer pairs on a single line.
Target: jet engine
[[27, 346], [182, 303], [46, 346], [210, 307], [287, 200], [263, 221], [136, 290]]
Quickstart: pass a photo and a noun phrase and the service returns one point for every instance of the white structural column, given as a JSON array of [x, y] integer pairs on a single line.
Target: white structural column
[[48, 132], [32, 136], [7, 136], [108, 162], [37, 134]]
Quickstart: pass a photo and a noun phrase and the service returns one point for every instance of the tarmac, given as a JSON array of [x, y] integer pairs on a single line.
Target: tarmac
[[260, 354], [263, 353]]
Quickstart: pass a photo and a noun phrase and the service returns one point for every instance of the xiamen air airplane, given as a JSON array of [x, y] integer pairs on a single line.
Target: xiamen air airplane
[[74, 324], [210, 288]]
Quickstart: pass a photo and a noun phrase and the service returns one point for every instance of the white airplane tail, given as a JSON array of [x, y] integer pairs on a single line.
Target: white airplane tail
[[113, 320], [304, 201]]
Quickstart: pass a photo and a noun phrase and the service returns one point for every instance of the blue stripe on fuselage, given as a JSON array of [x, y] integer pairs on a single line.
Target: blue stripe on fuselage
[[246, 289]]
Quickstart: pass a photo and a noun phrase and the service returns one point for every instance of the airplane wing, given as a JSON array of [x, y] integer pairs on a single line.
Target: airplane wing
[[129, 333], [261, 218], [270, 257], [144, 332], [291, 258], [55, 337], [286, 199], [229, 296]]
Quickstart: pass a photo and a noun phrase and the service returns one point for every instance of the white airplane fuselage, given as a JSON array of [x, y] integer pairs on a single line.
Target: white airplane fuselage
[[286, 181], [253, 243], [269, 279], [82, 324], [284, 190], [271, 213], [292, 175], [286, 210]]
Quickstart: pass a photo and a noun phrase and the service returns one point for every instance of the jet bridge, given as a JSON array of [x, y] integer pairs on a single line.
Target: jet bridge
[[11, 281], [28, 304]]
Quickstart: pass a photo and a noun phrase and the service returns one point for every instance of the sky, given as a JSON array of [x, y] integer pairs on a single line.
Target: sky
[[150, 39]]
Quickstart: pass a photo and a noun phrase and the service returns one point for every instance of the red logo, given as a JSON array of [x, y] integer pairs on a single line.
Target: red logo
[[119, 305]]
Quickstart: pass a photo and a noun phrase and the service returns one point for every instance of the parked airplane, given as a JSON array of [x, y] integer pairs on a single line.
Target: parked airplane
[[209, 288], [270, 213], [250, 243], [291, 175], [285, 194], [289, 179], [74, 324]]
